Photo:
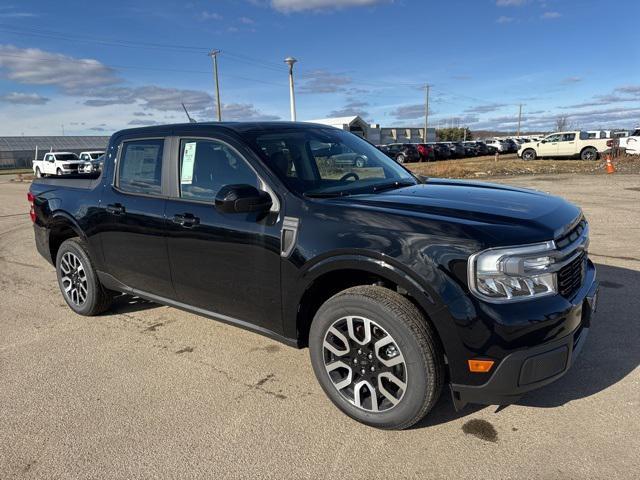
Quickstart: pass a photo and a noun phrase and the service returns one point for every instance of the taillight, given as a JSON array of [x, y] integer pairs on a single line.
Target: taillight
[[32, 212]]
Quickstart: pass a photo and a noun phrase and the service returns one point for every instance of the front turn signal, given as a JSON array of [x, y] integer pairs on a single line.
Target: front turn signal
[[480, 366]]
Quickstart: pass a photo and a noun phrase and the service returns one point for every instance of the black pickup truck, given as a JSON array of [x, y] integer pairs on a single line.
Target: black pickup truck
[[397, 284]]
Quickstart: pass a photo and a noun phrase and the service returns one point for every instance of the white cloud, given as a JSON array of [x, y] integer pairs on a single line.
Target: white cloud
[[570, 80], [504, 19], [510, 3], [353, 107], [33, 66], [210, 16], [18, 98], [246, 20], [550, 15], [287, 6], [322, 81], [486, 108]]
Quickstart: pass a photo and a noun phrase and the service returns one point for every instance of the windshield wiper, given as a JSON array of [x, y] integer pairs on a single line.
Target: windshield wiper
[[325, 194], [393, 185]]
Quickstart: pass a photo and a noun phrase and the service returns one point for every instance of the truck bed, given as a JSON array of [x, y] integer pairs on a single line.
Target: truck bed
[[81, 182]]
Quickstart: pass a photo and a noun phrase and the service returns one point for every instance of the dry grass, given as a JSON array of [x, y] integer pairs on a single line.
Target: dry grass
[[509, 165]]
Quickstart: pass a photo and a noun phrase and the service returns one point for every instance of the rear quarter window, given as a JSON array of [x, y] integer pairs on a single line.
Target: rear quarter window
[[140, 167]]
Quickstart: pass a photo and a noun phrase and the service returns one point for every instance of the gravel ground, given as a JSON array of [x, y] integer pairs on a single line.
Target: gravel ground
[[147, 391]]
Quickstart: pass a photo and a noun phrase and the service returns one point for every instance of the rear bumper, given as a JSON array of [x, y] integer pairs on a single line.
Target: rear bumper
[[532, 368]]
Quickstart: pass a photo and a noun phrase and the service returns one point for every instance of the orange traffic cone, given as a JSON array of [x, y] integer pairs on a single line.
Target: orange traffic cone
[[610, 167]]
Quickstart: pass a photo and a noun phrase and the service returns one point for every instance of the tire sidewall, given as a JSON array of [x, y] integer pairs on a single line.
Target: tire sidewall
[[417, 375], [400, 159], [531, 152], [74, 246], [585, 151]]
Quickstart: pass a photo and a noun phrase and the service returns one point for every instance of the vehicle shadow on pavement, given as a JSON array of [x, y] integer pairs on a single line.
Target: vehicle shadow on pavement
[[611, 352], [128, 304]]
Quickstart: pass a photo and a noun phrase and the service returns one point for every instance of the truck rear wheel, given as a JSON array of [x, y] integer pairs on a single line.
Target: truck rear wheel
[[78, 280], [376, 357], [589, 153]]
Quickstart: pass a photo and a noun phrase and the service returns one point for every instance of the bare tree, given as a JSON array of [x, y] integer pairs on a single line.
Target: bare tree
[[562, 123]]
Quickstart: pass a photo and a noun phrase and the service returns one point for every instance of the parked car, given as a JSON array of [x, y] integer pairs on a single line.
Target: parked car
[[56, 163], [402, 152], [426, 152], [630, 142], [481, 148], [338, 155], [441, 152], [511, 145], [497, 144], [92, 166], [397, 284], [574, 144], [456, 149]]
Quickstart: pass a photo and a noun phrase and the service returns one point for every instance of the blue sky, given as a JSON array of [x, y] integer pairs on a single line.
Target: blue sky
[[96, 67]]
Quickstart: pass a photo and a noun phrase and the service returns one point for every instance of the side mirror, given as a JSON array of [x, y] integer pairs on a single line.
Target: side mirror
[[242, 199]]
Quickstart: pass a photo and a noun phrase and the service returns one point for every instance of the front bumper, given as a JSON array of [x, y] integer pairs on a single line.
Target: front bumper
[[531, 368]]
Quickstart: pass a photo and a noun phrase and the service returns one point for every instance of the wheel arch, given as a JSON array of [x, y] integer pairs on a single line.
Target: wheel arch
[[62, 226], [333, 275]]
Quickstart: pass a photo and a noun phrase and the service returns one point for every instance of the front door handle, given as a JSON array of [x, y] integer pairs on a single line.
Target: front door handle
[[187, 220], [115, 208]]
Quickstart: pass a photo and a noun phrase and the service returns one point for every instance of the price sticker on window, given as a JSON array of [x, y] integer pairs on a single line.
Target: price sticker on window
[[188, 161]]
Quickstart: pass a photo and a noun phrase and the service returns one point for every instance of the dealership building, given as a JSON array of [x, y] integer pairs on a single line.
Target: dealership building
[[19, 152], [376, 134]]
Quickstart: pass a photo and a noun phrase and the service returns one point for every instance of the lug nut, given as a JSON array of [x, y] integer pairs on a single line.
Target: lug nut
[[363, 371], [359, 351], [370, 356], [355, 360], [373, 369]]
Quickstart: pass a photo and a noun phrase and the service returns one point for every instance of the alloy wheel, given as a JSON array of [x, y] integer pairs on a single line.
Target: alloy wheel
[[364, 363], [74, 279]]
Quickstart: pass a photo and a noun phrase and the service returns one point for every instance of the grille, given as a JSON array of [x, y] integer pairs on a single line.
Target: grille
[[570, 276], [572, 235]]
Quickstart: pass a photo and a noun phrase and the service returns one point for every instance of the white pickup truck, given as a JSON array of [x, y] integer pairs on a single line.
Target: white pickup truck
[[56, 163], [631, 144], [575, 144]]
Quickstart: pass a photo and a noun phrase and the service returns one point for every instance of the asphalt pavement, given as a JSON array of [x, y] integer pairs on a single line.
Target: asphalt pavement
[[147, 391]]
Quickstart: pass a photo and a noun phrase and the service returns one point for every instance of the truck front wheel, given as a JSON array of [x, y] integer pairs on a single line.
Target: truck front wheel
[[78, 280], [529, 154], [38, 173], [59, 172], [376, 357]]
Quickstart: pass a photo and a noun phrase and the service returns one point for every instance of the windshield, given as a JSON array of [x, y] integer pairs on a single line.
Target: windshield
[[95, 155], [66, 156], [327, 161]]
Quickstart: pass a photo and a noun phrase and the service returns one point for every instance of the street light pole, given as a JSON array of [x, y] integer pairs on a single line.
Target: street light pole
[[292, 99], [426, 111], [214, 57], [519, 119]]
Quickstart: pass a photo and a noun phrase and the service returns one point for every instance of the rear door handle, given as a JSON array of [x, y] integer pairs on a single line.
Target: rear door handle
[[187, 220], [115, 208]]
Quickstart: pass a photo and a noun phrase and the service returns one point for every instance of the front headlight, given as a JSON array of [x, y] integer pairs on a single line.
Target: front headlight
[[513, 273]]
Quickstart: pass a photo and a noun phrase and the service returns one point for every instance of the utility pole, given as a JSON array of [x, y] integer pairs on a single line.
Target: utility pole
[[214, 58], [519, 119], [292, 99], [426, 110]]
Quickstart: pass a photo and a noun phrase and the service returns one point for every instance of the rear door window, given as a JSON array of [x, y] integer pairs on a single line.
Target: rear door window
[[140, 167]]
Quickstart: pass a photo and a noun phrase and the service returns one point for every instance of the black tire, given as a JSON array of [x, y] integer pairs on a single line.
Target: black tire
[[360, 162], [393, 315], [38, 173], [97, 298], [400, 158], [529, 154], [59, 172], [589, 154]]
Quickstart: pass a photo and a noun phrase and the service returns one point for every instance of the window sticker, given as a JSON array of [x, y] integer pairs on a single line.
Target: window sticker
[[188, 161]]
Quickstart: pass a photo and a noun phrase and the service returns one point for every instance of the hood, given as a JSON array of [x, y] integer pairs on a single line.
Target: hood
[[537, 216]]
